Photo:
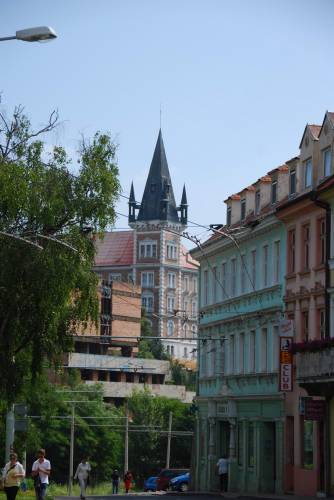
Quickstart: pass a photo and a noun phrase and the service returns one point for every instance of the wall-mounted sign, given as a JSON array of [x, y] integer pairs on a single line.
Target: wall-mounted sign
[[315, 409], [286, 328], [286, 358]]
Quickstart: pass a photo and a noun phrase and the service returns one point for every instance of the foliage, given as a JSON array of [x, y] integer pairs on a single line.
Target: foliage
[[46, 217], [149, 348], [147, 450], [103, 444], [183, 376]]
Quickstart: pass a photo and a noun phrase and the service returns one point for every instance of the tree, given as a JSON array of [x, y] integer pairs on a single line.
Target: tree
[[149, 348], [98, 436], [147, 450], [47, 216]]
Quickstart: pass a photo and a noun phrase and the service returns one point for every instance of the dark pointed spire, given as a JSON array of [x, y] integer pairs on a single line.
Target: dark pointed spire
[[132, 193], [184, 196], [132, 205], [184, 207], [158, 201]]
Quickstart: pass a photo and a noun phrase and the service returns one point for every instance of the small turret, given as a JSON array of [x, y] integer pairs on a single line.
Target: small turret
[[132, 205], [183, 208]]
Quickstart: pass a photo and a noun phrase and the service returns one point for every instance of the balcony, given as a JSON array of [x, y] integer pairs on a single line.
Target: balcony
[[315, 366]]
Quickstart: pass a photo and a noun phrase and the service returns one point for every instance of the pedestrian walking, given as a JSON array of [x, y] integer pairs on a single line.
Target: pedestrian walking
[[41, 470], [82, 475], [222, 465], [127, 481], [12, 474], [115, 481]]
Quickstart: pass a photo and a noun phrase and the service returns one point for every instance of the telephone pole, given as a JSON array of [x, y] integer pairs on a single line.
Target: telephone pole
[[169, 438], [126, 441], [70, 482]]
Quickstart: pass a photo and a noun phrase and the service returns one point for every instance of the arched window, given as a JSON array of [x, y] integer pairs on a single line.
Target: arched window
[[170, 327], [185, 330], [194, 330]]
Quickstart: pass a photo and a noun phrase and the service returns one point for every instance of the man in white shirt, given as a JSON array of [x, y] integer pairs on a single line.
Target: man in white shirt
[[41, 470], [222, 465]]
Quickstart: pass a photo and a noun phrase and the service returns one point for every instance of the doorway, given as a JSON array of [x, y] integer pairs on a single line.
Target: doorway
[[268, 458]]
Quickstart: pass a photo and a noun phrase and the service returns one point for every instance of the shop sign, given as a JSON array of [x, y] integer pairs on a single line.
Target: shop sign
[[286, 328], [315, 409], [285, 373]]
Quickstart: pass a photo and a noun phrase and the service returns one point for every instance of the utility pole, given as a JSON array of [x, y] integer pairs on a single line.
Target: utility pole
[[126, 442], [169, 438], [10, 432], [70, 482]]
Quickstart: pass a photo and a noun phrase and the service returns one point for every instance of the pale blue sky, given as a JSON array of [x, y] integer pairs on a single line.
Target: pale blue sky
[[238, 80]]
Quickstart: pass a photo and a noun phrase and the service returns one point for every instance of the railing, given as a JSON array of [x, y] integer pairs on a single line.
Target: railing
[[317, 364]]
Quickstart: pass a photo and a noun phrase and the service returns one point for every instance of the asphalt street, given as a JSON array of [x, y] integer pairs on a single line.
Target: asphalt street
[[149, 496]]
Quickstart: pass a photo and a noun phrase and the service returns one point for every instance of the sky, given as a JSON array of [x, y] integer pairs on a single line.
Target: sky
[[236, 82]]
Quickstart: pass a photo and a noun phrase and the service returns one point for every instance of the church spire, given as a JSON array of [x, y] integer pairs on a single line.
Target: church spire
[[158, 202]]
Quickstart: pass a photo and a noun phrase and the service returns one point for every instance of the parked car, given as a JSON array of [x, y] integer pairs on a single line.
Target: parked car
[[180, 483], [150, 483], [166, 475]]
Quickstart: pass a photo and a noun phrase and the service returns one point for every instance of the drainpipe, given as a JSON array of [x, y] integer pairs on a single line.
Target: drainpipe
[[327, 458]]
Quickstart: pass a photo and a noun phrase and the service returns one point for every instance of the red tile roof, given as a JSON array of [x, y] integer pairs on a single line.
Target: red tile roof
[[186, 259], [114, 249]]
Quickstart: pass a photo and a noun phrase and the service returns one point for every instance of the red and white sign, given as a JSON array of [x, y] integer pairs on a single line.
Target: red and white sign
[[286, 359]]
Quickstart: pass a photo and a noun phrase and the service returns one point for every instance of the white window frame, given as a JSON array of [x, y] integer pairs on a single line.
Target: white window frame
[[277, 261], [171, 251], [170, 303], [308, 173], [114, 277], [243, 264], [325, 165], [252, 351], [170, 329], [171, 280], [224, 280], [234, 272], [265, 250], [147, 279], [147, 301], [148, 249]]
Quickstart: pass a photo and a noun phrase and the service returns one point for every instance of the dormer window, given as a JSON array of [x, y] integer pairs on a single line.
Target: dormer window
[[243, 210], [257, 202], [308, 172], [292, 187], [274, 192], [228, 216], [327, 160]]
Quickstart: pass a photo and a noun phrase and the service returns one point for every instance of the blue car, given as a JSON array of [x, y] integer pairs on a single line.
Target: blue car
[[150, 484], [180, 483]]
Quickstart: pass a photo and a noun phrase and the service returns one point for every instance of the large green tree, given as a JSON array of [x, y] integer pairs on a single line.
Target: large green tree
[[49, 209], [147, 450]]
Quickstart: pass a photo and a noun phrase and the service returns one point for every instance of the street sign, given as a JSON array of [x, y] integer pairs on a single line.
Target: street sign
[[286, 359], [315, 409]]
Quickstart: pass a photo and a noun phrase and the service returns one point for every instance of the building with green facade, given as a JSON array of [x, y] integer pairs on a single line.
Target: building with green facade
[[240, 409]]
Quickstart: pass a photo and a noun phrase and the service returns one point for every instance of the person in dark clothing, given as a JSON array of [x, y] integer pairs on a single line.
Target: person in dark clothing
[[115, 481]]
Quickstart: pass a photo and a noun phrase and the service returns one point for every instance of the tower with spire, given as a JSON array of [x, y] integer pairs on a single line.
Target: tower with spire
[[161, 264], [158, 201]]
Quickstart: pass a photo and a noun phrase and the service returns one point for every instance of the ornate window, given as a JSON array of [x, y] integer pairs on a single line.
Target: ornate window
[[171, 251], [171, 280], [170, 328]]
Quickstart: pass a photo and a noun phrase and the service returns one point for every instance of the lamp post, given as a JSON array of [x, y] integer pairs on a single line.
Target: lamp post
[[37, 34]]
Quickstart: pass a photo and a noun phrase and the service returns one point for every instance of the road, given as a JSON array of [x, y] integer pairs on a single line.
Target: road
[[149, 496]]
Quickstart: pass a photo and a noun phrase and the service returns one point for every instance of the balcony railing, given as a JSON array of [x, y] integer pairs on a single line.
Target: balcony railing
[[317, 364]]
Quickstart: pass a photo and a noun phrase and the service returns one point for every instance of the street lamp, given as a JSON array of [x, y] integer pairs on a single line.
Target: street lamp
[[38, 34]]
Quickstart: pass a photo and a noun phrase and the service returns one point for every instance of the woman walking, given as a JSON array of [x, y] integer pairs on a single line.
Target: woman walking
[[127, 481], [12, 474], [82, 474]]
